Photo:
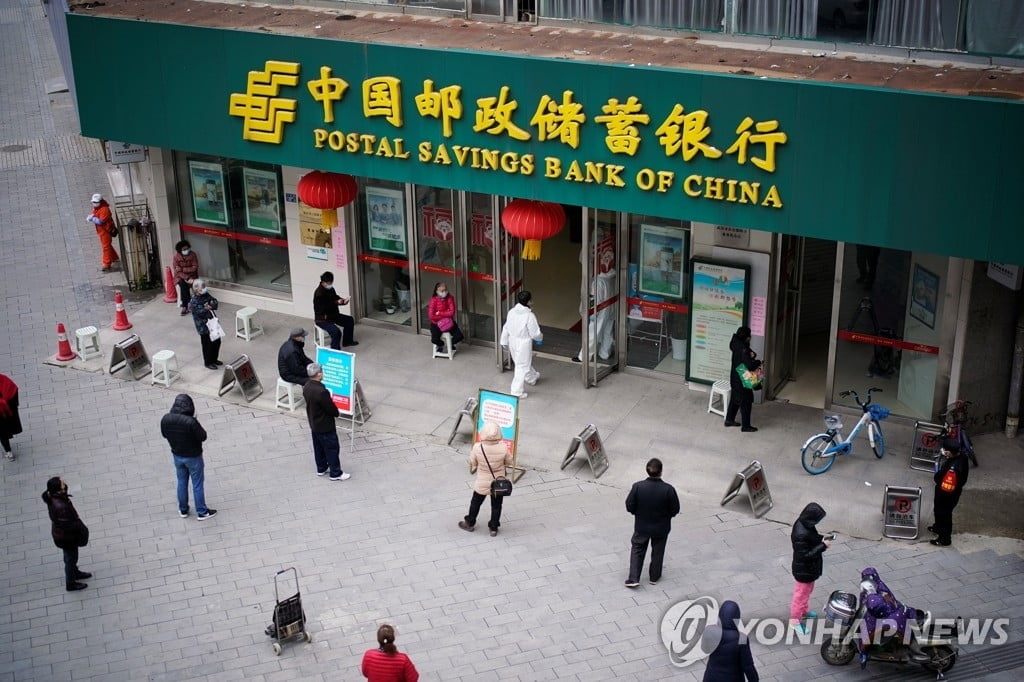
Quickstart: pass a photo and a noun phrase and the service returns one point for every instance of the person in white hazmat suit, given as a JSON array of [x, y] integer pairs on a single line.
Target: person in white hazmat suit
[[602, 321], [517, 336]]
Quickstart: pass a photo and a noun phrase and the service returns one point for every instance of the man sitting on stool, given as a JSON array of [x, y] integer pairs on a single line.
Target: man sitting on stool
[[292, 360], [327, 315]]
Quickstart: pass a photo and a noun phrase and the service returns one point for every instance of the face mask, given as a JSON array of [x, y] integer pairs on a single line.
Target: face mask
[[203, 291], [185, 252], [301, 342], [443, 294]]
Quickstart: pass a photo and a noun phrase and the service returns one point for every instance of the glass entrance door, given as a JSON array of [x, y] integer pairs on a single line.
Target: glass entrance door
[[599, 295], [785, 345], [441, 245]]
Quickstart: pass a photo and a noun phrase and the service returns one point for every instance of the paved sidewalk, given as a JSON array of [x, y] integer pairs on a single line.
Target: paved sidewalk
[[173, 599]]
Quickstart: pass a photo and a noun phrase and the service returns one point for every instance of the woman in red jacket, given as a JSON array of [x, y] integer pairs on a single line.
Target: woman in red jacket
[[10, 422], [386, 663], [441, 312]]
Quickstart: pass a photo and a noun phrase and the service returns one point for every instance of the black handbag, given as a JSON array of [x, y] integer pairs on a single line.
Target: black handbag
[[500, 486]]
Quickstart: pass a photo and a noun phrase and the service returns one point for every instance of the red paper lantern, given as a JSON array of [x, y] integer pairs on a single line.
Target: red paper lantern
[[328, 192], [533, 220]]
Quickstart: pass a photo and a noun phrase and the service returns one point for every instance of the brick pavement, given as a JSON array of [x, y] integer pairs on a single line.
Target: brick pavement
[[173, 599]]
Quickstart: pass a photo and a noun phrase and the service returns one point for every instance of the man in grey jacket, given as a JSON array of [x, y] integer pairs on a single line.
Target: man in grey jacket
[[321, 413]]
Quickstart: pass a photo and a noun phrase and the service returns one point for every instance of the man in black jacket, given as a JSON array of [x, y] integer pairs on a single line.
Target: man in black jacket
[[185, 436], [321, 413], [950, 477], [653, 503], [292, 360], [328, 316]]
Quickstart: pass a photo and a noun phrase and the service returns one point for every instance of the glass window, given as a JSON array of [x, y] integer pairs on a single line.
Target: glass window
[[706, 15], [890, 317], [658, 294], [384, 250], [232, 213]]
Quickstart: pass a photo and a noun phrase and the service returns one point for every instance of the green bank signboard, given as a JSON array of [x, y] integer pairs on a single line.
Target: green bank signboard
[[854, 164]]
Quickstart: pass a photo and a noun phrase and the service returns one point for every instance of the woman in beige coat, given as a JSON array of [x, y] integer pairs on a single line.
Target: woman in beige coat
[[490, 450]]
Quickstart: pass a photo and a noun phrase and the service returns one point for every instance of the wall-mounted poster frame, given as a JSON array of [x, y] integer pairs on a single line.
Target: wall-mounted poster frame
[[209, 204], [924, 295], [719, 295], [262, 201], [385, 216], [662, 254]]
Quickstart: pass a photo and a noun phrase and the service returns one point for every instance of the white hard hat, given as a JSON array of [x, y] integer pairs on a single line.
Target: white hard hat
[[97, 198]]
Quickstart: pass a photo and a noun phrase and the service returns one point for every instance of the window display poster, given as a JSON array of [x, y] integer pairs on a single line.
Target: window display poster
[[718, 308], [338, 237], [663, 252], [208, 192], [262, 210], [924, 296], [339, 376], [386, 219]]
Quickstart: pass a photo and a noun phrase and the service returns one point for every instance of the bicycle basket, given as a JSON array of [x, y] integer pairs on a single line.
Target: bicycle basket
[[834, 422], [878, 412]]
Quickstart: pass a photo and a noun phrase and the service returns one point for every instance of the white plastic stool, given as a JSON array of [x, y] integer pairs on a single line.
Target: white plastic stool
[[323, 339], [448, 351], [288, 395], [723, 389], [87, 342], [247, 326], [163, 372]]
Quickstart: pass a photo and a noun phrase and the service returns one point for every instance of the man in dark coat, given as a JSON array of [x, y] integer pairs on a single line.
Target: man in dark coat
[[292, 359], [68, 531], [741, 399], [328, 316], [808, 546], [185, 435], [730, 659], [950, 477], [653, 503], [321, 413]]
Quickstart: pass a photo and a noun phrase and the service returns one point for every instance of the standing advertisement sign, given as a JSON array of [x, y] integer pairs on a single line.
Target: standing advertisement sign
[[503, 410], [719, 306], [339, 376]]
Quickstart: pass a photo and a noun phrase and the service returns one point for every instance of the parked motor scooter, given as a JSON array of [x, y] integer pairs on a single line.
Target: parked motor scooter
[[931, 643]]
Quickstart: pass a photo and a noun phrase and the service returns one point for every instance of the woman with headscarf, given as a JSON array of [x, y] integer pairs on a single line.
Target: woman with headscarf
[[741, 398], [488, 458], [730, 659]]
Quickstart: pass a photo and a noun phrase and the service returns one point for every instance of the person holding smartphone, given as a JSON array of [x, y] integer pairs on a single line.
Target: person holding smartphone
[[808, 546], [328, 316]]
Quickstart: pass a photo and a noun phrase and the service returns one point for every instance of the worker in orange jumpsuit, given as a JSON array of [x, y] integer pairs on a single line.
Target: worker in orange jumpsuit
[[103, 219]]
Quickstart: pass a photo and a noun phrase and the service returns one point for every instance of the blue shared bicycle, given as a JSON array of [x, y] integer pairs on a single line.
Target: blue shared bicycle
[[820, 451]]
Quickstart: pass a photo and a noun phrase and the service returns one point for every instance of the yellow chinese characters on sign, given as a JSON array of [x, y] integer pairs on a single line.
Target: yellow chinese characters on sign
[[327, 90], [560, 121], [265, 112], [382, 96], [621, 120], [443, 104], [262, 111]]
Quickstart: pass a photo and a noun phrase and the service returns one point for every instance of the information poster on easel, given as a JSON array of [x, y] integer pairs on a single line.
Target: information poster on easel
[[719, 307], [503, 410], [339, 376]]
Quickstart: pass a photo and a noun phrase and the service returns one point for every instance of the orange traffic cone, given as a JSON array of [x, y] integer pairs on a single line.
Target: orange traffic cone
[[170, 291], [120, 316], [64, 352]]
